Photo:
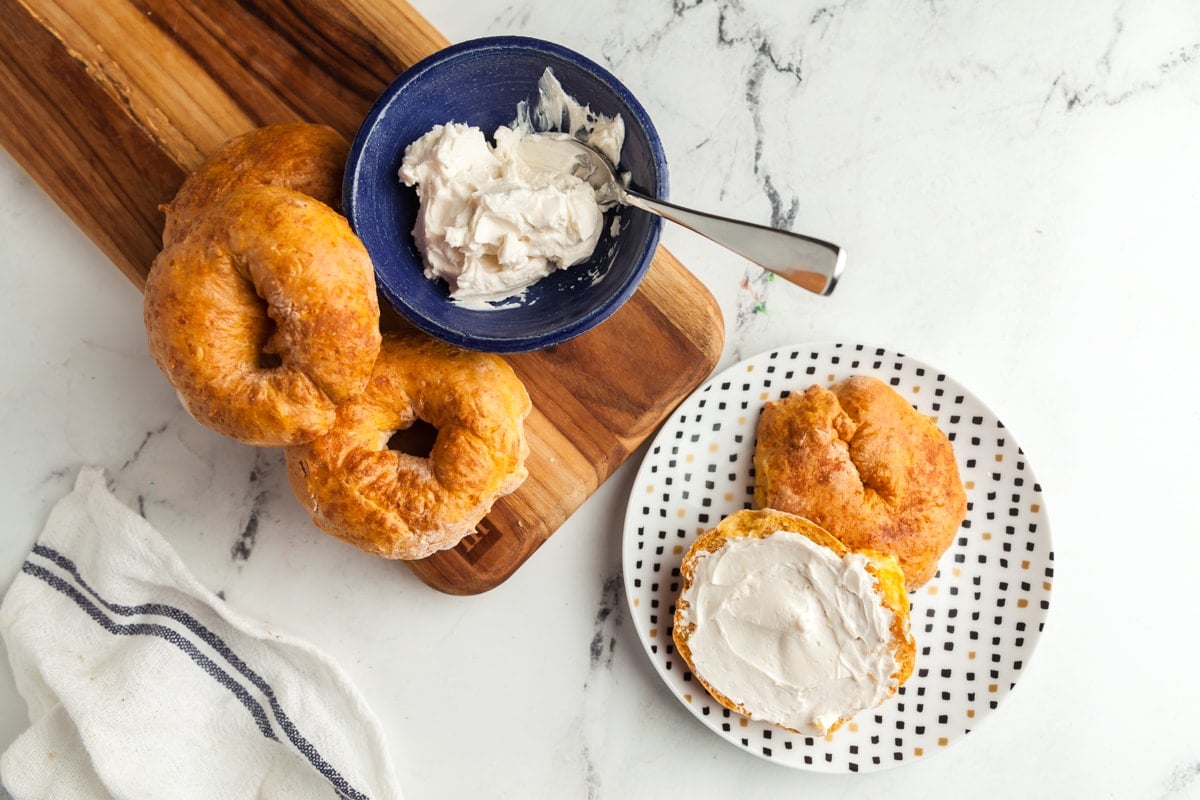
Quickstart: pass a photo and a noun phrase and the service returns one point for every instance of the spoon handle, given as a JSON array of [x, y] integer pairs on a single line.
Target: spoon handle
[[810, 263]]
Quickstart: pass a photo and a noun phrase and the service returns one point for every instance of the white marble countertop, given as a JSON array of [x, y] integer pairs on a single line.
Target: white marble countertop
[[1017, 185]]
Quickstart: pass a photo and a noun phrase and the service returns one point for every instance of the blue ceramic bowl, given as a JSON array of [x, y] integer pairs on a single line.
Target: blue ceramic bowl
[[480, 82]]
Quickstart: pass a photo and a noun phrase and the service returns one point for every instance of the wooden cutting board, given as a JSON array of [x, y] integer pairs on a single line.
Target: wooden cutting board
[[108, 104]]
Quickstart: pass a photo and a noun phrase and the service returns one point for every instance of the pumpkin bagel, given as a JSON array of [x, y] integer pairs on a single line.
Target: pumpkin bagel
[[402, 505], [263, 315]]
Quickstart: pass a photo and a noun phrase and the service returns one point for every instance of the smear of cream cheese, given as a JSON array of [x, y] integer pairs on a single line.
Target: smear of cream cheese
[[792, 632], [492, 223]]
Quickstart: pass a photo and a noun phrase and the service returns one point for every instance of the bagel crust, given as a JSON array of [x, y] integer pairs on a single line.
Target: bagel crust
[[404, 506], [887, 593], [861, 462], [264, 315], [302, 156]]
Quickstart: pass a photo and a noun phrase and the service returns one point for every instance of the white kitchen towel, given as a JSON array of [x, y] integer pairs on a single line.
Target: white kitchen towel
[[141, 683]]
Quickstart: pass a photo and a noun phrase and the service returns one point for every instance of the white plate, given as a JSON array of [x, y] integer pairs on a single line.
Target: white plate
[[976, 623]]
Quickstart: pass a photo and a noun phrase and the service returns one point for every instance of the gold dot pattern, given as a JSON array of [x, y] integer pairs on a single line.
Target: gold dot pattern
[[976, 623]]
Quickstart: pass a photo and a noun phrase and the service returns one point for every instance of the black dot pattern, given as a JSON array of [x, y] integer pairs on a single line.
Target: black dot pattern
[[976, 623]]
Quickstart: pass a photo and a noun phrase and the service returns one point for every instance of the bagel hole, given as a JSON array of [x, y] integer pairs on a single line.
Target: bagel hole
[[269, 360], [415, 440], [268, 357]]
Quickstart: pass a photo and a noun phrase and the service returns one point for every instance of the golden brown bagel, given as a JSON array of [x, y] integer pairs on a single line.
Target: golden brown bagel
[[408, 506], [306, 157], [265, 275], [888, 592], [861, 462]]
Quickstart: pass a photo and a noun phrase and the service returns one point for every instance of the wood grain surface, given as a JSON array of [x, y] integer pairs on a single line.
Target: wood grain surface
[[108, 104]]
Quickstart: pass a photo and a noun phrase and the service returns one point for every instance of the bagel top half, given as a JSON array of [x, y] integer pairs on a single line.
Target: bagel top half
[[861, 462]]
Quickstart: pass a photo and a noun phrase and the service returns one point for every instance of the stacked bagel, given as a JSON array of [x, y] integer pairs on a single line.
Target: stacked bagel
[[796, 611], [261, 311]]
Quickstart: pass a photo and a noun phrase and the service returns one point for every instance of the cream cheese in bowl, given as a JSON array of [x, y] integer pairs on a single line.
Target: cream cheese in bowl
[[483, 83], [491, 222]]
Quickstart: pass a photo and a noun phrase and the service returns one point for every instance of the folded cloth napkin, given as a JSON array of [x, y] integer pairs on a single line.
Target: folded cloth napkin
[[141, 683]]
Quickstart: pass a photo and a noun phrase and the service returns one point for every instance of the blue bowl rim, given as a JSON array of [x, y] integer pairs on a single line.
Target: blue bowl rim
[[580, 324]]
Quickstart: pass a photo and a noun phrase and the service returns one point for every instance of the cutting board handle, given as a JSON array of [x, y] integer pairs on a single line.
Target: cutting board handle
[[109, 103]]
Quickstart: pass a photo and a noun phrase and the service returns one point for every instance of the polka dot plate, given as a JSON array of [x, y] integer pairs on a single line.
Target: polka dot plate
[[976, 623]]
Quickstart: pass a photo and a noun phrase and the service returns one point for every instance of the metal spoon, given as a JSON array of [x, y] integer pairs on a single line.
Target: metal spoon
[[810, 263]]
